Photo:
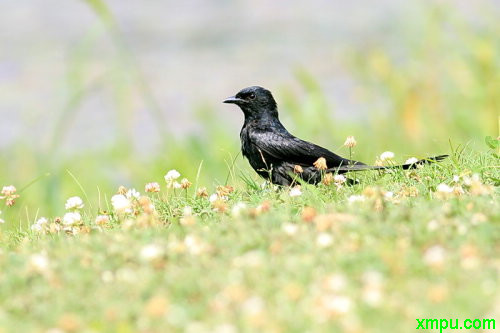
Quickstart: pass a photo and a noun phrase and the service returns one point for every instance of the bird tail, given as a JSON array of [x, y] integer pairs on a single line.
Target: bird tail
[[363, 167]]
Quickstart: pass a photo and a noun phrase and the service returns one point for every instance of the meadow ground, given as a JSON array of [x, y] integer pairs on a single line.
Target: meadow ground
[[239, 256], [373, 257]]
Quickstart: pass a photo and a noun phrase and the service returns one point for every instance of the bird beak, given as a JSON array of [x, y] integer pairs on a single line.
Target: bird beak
[[233, 100]]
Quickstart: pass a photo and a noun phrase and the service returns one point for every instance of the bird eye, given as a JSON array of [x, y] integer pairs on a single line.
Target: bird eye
[[251, 96]]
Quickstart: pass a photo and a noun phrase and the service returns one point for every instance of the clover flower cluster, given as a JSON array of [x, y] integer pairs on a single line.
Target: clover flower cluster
[[132, 209], [171, 180], [9, 194], [461, 185]]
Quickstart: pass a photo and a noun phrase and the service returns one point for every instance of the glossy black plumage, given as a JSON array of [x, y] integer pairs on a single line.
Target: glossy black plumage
[[273, 152]]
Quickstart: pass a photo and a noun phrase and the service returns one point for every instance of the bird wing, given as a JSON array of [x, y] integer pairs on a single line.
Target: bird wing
[[285, 147]]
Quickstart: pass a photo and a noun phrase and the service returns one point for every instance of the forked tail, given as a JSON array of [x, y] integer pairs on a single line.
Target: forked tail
[[362, 167]]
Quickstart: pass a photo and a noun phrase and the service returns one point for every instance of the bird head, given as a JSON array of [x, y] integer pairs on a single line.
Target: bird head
[[254, 102]]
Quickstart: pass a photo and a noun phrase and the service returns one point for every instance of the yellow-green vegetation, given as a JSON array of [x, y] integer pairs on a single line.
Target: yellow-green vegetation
[[212, 249], [438, 83], [366, 258]]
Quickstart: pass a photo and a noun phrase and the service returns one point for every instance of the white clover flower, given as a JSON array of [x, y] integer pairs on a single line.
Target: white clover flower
[[432, 225], [172, 175], [225, 328], [386, 155], [194, 245], [121, 204], [253, 306], [254, 258], [8, 190], [462, 229], [373, 278], [356, 198], [74, 203], [132, 194], [411, 160], [295, 192], [443, 188], [238, 208], [37, 227], [388, 195], [152, 187], [40, 224], [290, 229], [350, 142], [338, 305], [324, 239], [335, 282], [107, 276], [339, 179], [9, 194], [372, 295], [435, 256], [176, 185], [39, 262], [71, 218], [128, 275], [42, 221], [456, 178], [102, 219], [213, 197], [187, 211], [151, 252]]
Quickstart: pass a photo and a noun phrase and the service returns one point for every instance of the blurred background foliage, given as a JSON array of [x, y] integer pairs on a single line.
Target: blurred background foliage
[[410, 81]]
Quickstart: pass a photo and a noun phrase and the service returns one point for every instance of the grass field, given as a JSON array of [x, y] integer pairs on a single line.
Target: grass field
[[221, 251], [372, 257]]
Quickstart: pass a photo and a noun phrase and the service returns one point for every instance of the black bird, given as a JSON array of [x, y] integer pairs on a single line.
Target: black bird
[[275, 154]]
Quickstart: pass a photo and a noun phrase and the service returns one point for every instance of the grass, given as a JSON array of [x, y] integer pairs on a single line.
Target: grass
[[316, 262], [261, 260], [417, 96]]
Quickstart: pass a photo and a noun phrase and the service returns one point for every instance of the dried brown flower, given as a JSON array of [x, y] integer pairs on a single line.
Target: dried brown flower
[[320, 164], [224, 191], [187, 220], [122, 190], [157, 307], [264, 207], [219, 206], [308, 214], [328, 179], [146, 205], [202, 192], [185, 184]]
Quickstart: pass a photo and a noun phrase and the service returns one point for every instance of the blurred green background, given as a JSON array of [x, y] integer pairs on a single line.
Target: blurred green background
[[96, 94]]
